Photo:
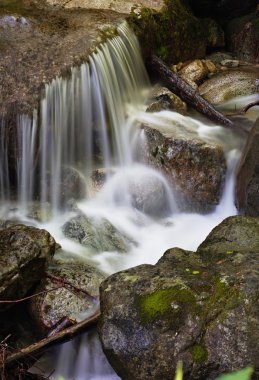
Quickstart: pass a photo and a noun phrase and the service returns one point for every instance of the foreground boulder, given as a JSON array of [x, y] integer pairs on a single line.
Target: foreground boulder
[[247, 185], [25, 252], [76, 299], [200, 308], [195, 169]]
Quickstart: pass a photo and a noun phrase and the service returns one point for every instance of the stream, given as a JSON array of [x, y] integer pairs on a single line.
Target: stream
[[106, 98]]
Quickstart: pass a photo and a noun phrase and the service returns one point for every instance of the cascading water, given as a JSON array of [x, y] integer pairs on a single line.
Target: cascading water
[[91, 120]]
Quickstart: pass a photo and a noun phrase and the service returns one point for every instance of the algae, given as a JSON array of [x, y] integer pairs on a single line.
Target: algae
[[199, 353]]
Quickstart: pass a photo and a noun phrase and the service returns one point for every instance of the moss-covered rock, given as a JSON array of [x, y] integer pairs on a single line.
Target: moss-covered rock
[[200, 308], [174, 33]]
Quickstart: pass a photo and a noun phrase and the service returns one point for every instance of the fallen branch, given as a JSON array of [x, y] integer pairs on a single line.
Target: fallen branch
[[32, 296], [245, 109], [25, 354], [179, 87]]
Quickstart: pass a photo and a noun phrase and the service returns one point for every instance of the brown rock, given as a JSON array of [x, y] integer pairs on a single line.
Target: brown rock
[[247, 186]]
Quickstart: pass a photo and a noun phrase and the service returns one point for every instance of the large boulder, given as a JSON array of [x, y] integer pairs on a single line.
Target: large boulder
[[199, 308], [195, 168], [229, 84], [98, 234], [174, 33], [242, 36], [76, 299], [247, 184], [25, 252]]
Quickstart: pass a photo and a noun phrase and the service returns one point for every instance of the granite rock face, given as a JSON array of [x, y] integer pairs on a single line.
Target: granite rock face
[[200, 308]]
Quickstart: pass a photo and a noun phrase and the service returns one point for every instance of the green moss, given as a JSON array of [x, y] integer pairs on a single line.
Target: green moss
[[170, 302], [199, 353]]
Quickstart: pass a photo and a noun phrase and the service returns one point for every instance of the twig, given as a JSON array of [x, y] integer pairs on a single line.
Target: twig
[[32, 296]]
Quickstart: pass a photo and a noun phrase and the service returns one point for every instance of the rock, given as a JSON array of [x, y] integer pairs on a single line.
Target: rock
[[242, 36], [219, 56], [199, 308], [195, 169], [197, 70], [229, 84], [73, 184], [39, 211], [49, 308], [122, 6], [99, 177], [177, 35], [163, 99], [96, 233], [247, 183], [25, 252], [230, 63]]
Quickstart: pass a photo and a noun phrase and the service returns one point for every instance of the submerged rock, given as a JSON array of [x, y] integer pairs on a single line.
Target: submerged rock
[[195, 169], [228, 84], [163, 99], [76, 302], [199, 308], [247, 185], [96, 233], [25, 252]]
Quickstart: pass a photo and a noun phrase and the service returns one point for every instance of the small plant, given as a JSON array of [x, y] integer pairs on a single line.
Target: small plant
[[243, 374]]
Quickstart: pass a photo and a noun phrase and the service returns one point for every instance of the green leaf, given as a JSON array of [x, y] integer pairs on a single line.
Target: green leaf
[[243, 374], [179, 371]]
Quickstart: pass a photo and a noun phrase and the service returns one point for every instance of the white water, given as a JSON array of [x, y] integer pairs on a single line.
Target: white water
[[106, 97]]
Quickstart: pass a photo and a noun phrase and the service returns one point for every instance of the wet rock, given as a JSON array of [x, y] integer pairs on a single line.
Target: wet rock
[[76, 302], [163, 99], [228, 84], [247, 185], [197, 70], [243, 37], [99, 177], [71, 185], [230, 63], [25, 252], [96, 233], [39, 211], [219, 56], [194, 168], [198, 308]]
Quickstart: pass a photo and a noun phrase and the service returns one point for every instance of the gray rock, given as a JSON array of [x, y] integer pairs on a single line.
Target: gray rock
[[247, 184], [228, 84], [77, 303], [25, 252], [194, 168], [200, 308], [97, 234]]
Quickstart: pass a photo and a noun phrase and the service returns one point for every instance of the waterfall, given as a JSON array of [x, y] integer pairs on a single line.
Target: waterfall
[[90, 120]]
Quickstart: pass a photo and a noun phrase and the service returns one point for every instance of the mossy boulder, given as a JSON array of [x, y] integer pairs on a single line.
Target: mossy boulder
[[174, 33], [200, 308], [25, 252]]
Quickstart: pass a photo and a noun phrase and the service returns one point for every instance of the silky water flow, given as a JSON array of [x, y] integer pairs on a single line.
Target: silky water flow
[[91, 121]]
